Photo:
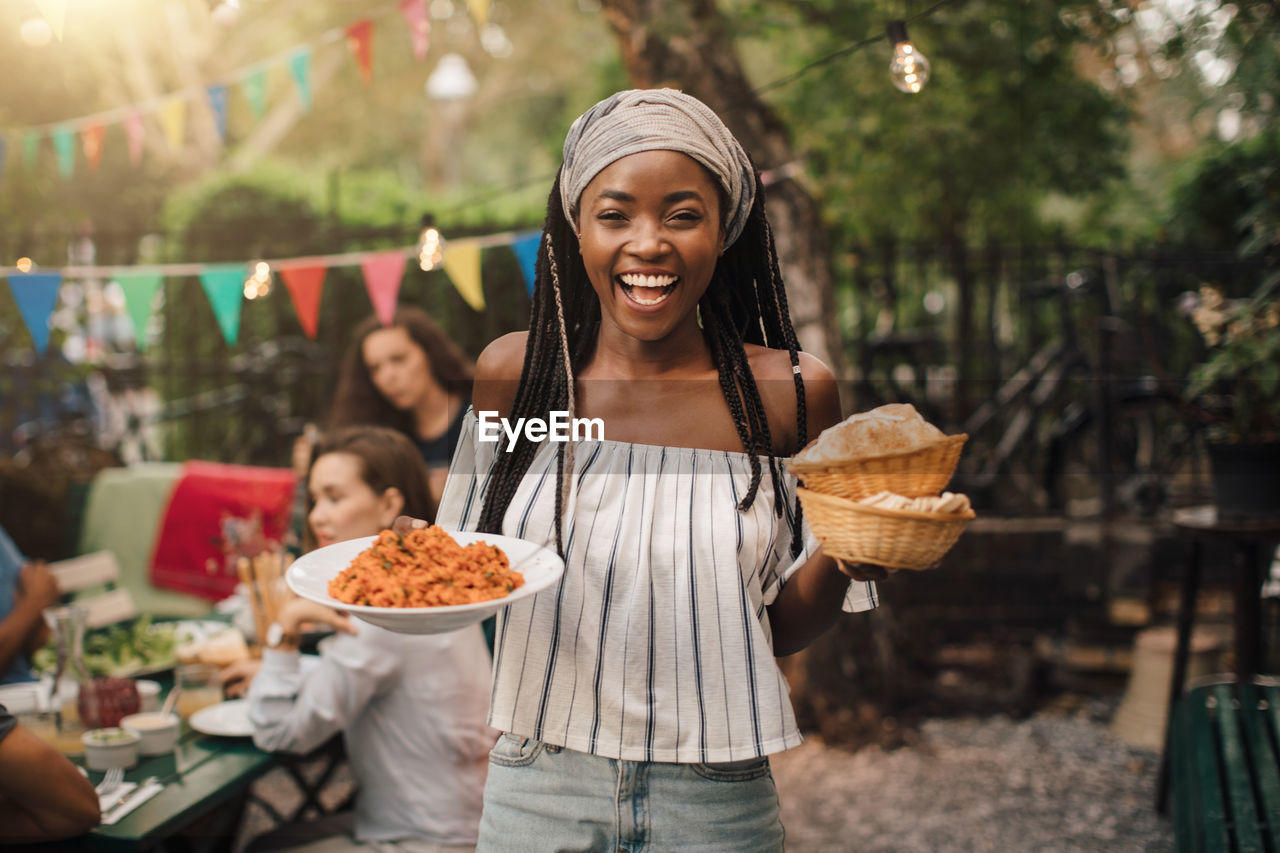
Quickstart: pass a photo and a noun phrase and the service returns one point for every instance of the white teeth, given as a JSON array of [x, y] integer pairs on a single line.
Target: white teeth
[[634, 280]]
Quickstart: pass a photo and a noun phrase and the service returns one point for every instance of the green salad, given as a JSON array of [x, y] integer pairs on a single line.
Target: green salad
[[121, 650]]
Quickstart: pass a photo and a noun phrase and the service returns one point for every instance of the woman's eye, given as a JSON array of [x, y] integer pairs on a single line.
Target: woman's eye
[[687, 216], [610, 216]]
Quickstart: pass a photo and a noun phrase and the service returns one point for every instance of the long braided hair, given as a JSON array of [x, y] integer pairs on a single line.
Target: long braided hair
[[745, 303]]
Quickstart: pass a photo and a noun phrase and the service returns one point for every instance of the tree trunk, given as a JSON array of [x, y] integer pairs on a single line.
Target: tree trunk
[[688, 46]]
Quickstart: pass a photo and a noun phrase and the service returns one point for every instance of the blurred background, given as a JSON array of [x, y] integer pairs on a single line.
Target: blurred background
[[1016, 245]]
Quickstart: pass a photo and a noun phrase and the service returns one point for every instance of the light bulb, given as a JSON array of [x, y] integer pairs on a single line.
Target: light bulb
[[430, 245], [227, 13], [258, 284], [36, 32], [908, 69]]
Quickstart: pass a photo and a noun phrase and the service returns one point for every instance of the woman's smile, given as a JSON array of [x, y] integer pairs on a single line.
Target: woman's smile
[[648, 291]]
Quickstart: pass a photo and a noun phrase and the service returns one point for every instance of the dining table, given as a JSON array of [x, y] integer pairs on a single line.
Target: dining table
[[205, 781]]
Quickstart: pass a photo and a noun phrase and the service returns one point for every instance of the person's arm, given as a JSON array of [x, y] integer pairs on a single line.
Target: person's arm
[[813, 595], [297, 711], [43, 797], [37, 589]]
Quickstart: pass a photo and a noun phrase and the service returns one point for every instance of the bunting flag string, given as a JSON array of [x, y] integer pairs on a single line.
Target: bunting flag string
[[36, 293], [170, 109]]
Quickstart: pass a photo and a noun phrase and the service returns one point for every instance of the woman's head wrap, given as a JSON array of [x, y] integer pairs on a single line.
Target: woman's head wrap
[[657, 120]]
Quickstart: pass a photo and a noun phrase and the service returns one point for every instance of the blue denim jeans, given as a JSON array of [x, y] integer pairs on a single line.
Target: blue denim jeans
[[541, 798]]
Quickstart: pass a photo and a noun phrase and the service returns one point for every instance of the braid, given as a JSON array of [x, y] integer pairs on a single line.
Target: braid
[[744, 303]]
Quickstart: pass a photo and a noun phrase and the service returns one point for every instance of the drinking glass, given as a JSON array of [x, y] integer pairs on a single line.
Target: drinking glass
[[200, 688]]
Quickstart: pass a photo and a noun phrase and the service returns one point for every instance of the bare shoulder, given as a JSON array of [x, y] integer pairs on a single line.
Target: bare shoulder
[[498, 373], [775, 378]]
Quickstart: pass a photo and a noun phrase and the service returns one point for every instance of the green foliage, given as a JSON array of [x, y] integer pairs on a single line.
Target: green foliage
[[1243, 361], [1004, 120], [1230, 198]]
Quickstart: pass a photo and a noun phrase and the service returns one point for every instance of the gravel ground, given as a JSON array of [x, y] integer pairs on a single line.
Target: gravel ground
[[1057, 782]]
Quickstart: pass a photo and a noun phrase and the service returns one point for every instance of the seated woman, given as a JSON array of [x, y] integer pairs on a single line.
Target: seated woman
[[411, 708], [410, 376]]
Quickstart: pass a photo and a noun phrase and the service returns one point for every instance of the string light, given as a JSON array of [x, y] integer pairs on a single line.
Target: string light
[[36, 32], [258, 284], [909, 69], [430, 244], [24, 264]]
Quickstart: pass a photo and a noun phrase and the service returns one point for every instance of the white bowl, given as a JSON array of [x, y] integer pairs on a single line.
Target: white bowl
[[108, 748], [148, 694], [310, 574], [159, 733]]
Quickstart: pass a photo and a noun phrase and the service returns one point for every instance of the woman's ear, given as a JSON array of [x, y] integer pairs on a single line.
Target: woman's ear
[[391, 502]]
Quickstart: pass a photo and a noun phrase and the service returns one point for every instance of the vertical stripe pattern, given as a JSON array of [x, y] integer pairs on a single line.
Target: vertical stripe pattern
[[655, 645]]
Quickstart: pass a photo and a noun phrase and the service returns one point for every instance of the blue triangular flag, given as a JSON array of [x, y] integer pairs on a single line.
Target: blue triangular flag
[[526, 249], [218, 100], [36, 294]]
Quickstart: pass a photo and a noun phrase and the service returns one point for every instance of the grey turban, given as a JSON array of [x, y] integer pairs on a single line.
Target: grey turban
[[657, 120]]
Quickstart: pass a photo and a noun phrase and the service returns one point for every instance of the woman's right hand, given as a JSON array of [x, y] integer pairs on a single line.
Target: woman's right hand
[[300, 610], [404, 524], [235, 678]]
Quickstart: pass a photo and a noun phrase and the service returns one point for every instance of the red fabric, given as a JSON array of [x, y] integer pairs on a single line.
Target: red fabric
[[191, 553]]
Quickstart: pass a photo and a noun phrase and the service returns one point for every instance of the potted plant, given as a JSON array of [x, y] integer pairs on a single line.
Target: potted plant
[[1241, 371]]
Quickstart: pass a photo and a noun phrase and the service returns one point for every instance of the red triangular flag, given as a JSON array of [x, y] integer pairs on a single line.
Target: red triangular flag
[[91, 141], [382, 274], [360, 41], [305, 286]]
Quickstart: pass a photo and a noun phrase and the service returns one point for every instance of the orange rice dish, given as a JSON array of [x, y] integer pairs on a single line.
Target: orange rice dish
[[426, 568]]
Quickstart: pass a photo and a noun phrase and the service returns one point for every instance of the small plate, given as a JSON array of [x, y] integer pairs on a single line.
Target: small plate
[[226, 719], [310, 574]]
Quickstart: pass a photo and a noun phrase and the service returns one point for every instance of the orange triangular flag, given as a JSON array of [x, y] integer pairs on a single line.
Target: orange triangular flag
[[305, 286], [91, 142], [360, 41]]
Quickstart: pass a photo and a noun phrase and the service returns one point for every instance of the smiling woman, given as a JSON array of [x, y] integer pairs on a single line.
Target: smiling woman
[[642, 688]]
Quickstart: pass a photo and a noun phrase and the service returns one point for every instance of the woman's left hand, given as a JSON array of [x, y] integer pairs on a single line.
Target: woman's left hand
[[863, 571]]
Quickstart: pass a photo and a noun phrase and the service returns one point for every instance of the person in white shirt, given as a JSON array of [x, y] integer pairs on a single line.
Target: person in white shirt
[[411, 708], [638, 697]]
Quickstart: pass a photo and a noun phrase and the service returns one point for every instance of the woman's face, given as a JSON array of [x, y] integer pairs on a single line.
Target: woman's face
[[650, 234], [345, 507], [397, 366]]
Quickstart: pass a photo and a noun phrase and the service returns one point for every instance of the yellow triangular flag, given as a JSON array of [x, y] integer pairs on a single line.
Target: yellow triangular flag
[[55, 12], [462, 264], [479, 10], [173, 120]]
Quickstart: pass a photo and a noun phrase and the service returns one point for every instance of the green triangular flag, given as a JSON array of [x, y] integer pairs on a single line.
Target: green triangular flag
[[30, 147], [224, 285], [255, 91], [139, 294], [66, 153], [300, 68]]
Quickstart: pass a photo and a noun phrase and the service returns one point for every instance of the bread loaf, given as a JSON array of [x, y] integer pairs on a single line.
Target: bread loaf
[[947, 503], [891, 429]]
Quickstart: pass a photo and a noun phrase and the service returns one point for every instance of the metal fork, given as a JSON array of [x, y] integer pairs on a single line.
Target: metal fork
[[112, 780]]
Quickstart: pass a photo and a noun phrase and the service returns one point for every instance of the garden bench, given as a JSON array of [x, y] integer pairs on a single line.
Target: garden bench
[[1226, 768]]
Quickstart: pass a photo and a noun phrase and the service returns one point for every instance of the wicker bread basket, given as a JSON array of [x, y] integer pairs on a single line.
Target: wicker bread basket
[[895, 538], [913, 474]]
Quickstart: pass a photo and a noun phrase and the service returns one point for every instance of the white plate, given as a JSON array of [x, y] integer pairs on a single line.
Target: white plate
[[310, 574], [226, 719]]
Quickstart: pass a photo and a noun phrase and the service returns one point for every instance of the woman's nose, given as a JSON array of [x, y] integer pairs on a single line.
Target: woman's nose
[[648, 240]]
